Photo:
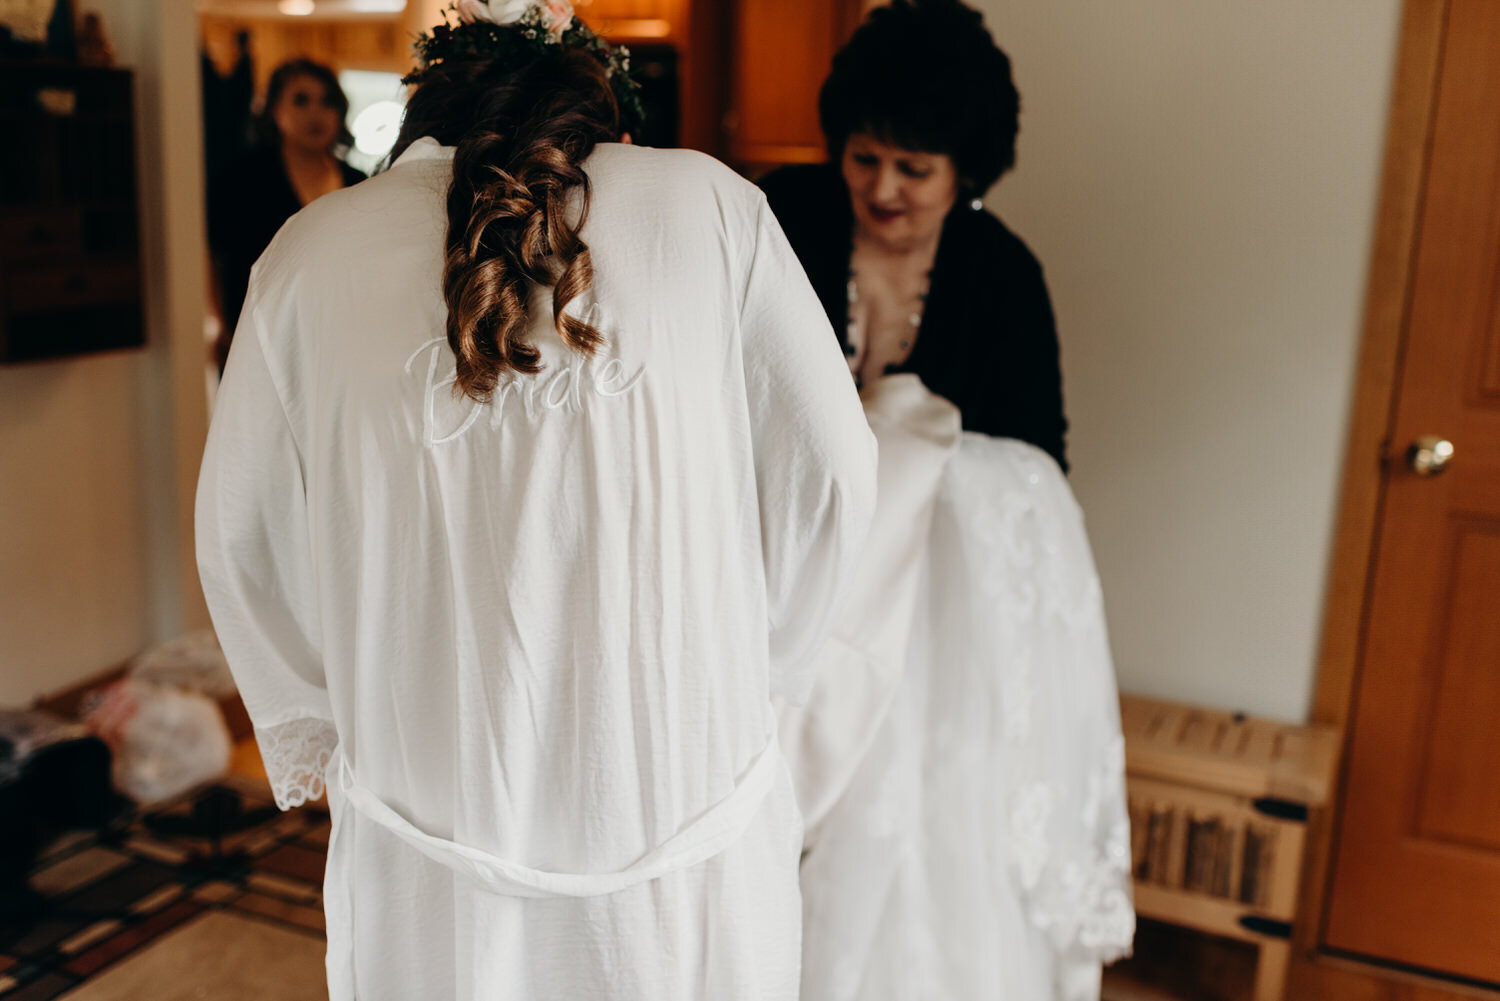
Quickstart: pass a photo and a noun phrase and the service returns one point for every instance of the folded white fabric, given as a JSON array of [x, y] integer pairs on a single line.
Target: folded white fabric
[[860, 669]]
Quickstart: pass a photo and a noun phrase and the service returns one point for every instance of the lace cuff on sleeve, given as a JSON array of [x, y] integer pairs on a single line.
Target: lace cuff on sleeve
[[296, 755]]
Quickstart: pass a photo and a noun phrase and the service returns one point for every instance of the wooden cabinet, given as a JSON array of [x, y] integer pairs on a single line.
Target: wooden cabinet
[[636, 20], [748, 71], [781, 54], [70, 271]]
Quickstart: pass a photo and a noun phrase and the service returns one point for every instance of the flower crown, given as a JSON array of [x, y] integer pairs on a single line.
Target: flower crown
[[511, 31]]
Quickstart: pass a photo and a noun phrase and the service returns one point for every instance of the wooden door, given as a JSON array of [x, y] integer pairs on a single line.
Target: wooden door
[[1416, 877]]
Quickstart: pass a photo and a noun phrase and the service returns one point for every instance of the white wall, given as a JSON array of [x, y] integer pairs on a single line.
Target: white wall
[[72, 548], [1199, 180], [98, 455]]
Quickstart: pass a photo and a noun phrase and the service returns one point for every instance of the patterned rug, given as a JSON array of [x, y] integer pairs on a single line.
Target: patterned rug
[[155, 914], [158, 911]]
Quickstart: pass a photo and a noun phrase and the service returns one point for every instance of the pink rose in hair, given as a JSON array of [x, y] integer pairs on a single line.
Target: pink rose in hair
[[559, 16]]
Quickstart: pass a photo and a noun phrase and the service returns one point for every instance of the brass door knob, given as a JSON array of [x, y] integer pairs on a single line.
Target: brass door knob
[[1429, 455]]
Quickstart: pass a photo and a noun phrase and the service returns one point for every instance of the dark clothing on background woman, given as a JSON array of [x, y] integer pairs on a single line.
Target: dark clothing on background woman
[[227, 111], [248, 201], [987, 342]]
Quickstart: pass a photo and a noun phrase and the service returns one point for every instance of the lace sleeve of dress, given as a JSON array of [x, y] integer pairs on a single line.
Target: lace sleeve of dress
[[296, 755]]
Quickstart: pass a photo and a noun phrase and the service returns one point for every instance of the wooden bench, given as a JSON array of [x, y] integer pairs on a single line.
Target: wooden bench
[[1219, 804]]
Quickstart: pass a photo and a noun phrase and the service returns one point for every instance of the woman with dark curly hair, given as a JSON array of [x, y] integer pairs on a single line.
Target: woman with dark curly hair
[[533, 477], [920, 117], [958, 761], [300, 134]]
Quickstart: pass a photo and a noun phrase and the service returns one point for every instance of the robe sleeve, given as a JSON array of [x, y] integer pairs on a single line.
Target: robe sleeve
[[814, 457], [255, 563]]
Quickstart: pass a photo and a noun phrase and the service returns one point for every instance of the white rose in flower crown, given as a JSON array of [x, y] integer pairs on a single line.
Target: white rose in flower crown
[[499, 12], [555, 14]]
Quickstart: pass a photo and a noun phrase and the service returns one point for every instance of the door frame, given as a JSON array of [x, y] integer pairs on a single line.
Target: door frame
[[1316, 973]]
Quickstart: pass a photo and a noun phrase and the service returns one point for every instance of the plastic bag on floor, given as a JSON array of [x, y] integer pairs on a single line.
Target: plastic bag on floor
[[165, 740], [192, 661]]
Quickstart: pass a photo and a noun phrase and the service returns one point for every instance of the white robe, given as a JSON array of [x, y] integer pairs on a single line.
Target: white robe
[[960, 761], [532, 645]]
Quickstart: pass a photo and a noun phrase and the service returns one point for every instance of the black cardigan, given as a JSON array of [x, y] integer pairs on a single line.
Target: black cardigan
[[987, 342], [248, 201]]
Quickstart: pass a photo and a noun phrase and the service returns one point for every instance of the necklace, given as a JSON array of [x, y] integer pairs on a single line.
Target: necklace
[[854, 335]]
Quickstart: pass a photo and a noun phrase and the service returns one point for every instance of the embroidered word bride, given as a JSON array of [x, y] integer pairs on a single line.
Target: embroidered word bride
[[567, 387]]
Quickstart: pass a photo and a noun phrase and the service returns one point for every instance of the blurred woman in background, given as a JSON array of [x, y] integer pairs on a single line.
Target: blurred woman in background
[[297, 161], [959, 762]]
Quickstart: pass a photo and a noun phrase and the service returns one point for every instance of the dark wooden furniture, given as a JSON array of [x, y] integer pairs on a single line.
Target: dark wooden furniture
[[782, 52], [70, 268]]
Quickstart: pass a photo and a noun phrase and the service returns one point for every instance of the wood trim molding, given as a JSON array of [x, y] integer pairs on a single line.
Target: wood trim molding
[[1315, 975], [1387, 297], [1330, 978]]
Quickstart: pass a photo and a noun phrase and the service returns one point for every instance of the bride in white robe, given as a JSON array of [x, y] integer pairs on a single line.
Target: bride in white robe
[[960, 763], [532, 644]]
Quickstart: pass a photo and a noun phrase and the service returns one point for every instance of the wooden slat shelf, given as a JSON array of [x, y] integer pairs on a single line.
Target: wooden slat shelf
[[1229, 752], [1219, 805]]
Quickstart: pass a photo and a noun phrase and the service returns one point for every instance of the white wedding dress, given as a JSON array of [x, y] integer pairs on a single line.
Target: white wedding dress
[[960, 762]]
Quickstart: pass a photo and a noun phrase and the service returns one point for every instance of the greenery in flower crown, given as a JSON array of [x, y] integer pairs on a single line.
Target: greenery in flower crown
[[523, 40]]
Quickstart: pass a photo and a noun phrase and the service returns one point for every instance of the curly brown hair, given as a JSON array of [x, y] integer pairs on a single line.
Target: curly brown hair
[[522, 133]]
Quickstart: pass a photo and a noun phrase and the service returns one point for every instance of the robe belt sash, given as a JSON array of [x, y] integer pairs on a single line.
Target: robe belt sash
[[699, 840]]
